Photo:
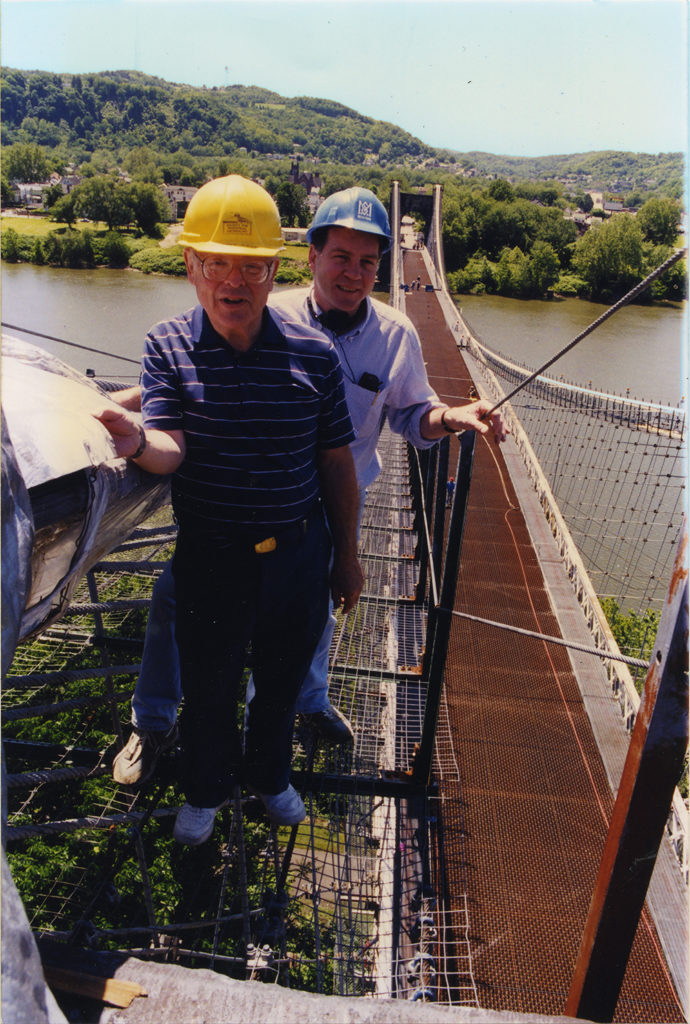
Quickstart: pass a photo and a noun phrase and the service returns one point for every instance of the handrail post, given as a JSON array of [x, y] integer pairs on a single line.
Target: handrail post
[[417, 475], [443, 615], [439, 521]]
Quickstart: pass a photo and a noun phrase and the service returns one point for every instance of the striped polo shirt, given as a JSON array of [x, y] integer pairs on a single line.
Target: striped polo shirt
[[253, 421]]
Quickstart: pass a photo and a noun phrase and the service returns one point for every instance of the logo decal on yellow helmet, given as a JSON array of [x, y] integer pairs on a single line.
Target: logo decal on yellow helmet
[[237, 226]]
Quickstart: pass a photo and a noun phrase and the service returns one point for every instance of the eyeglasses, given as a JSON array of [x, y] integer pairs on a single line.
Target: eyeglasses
[[217, 270]]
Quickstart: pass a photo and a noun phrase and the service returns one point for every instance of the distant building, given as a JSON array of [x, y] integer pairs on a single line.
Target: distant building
[[31, 194], [580, 219], [70, 181], [311, 182], [179, 197]]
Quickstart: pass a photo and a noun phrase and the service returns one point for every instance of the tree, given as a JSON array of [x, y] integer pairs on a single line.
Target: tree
[[142, 164], [92, 198], [6, 192], [292, 204], [609, 257], [508, 224], [149, 207], [64, 211], [51, 195], [502, 191], [544, 267], [673, 284], [106, 199], [552, 227], [25, 162], [513, 276], [635, 634], [659, 220], [584, 202], [461, 231], [37, 256], [73, 249], [477, 277]]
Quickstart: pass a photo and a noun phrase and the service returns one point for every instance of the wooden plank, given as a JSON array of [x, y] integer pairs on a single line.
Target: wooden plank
[[107, 990]]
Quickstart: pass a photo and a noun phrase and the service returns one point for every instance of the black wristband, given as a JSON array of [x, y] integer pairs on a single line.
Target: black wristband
[[450, 430], [142, 444]]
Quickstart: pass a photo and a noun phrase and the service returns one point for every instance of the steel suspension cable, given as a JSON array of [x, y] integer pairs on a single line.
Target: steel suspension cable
[[72, 344], [583, 648], [632, 294]]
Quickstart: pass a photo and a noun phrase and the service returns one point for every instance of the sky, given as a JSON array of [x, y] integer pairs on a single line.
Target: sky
[[522, 78]]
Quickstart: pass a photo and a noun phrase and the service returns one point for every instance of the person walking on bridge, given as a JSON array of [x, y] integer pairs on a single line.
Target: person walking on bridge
[[384, 378], [249, 415]]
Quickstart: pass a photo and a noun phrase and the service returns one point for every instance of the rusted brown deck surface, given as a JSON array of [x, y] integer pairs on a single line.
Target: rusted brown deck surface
[[525, 828]]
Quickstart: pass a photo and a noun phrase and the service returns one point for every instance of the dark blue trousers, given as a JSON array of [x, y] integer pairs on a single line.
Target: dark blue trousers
[[230, 599]]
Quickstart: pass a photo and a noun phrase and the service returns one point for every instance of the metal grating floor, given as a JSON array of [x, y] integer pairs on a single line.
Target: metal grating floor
[[525, 824]]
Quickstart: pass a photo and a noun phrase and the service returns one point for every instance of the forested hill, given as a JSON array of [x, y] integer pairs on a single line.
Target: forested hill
[[615, 170], [116, 111]]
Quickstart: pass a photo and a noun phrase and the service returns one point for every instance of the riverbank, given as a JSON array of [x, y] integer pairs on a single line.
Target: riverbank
[[41, 242]]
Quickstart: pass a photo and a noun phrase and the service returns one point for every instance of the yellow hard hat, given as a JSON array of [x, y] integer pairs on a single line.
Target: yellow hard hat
[[232, 215]]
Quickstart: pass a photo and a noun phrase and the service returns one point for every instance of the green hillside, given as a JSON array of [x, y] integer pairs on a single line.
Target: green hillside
[[103, 117], [612, 170], [120, 110]]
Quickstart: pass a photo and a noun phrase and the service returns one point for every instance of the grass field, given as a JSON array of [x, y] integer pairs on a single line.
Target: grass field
[[42, 226]]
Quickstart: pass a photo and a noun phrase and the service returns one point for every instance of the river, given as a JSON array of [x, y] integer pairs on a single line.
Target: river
[[640, 348]]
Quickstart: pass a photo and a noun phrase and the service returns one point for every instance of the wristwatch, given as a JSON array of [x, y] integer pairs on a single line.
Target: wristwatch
[[142, 444], [450, 430]]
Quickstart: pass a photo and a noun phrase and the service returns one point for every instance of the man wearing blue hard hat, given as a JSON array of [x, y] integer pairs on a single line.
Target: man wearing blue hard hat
[[383, 373], [384, 376]]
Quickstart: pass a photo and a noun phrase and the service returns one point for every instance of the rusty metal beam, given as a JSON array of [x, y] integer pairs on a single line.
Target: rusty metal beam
[[651, 772]]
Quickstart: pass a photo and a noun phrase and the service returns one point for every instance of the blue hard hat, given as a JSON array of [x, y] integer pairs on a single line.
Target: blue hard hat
[[355, 208]]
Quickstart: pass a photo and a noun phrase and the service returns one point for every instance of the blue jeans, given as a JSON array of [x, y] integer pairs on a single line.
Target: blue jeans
[[158, 691]]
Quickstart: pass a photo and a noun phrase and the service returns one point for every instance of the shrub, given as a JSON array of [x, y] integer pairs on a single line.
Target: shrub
[[10, 246], [69, 249], [157, 261], [16, 248], [569, 284], [37, 256], [635, 634], [115, 250], [293, 273]]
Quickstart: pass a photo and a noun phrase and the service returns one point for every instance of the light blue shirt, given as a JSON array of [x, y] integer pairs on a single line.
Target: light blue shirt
[[387, 346]]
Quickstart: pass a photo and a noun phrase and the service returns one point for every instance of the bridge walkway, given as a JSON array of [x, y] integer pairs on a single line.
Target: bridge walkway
[[525, 826]]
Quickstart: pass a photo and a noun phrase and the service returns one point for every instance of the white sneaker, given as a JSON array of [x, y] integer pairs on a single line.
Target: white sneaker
[[286, 808], [194, 825]]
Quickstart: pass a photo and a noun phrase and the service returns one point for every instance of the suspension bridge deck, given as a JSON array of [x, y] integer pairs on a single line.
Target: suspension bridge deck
[[525, 825]]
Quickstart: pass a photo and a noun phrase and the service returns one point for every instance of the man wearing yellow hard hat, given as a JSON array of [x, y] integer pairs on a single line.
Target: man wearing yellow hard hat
[[248, 414], [384, 376]]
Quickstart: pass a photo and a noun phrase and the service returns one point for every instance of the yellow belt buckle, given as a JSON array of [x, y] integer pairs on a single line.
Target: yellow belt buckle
[[264, 546]]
